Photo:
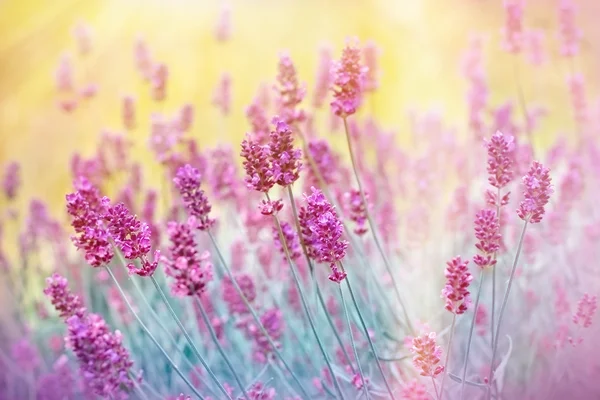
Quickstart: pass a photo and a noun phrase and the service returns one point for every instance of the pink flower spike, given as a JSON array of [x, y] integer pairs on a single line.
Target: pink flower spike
[[11, 180], [222, 94], [289, 91], [223, 25], [128, 112], [538, 188], [499, 164], [356, 210], [456, 290], [324, 76], [414, 390], [487, 231], [65, 302], [427, 355], [371, 54], [259, 174], [64, 74], [348, 81], [270, 207], [159, 77], [570, 34], [513, 28], [187, 181], [586, 308], [285, 159]]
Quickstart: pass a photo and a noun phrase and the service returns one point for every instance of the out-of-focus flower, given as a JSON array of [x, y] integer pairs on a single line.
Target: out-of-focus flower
[[186, 117], [513, 27], [222, 94], [58, 384], [83, 36], [64, 74], [371, 54], [357, 211], [26, 355], [534, 43], [258, 391], [415, 390], [292, 241], [11, 180], [223, 24], [586, 308], [128, 112], [455, 292], [538, 188], [103, 361], [348, 81], [427, 355], [289, 92], [324, 76], [191, 272], [569, 32], [143, 58], [160, 74], [65, 302], [232, 298], [187, 181], [272, 321], [577, 88]]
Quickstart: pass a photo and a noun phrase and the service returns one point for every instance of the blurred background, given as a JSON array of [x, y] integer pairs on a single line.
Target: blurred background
[[421, 43]]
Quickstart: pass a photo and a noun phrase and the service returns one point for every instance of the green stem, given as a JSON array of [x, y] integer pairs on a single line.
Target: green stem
[[372, 227], [360, 371], [305, 305], [255, 316], [448, 355], [471, 329], [504, 302], [366, 331], [188, 338], [147, 331], [219, 347]]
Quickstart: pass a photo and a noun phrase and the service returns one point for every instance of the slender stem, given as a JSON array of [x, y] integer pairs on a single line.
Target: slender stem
[[219, 347], [448, 355], [366, 331], [372, 227], [255, 316], [147, 331], [305, 305], [471, 329], [360, 371], [188, 338], [158, 320], [493, 316], [504, 302], [317, 289], [522, 103], [437, 396]]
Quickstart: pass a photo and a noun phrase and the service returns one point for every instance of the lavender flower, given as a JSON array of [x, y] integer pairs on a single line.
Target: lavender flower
[[187, 181], [65, 302], [285, 160], [12, 180]]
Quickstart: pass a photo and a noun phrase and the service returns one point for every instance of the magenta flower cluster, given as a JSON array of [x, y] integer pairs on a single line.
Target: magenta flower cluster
[[190, 271], [538, 188], [348, 81], [187, 181], [66, 303], [487, 232], [289, 91], [456, 291], [104, 362], [322, 232], [285, 160]]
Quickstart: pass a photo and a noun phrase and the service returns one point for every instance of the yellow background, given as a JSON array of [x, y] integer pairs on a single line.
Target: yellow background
[[421, 42]]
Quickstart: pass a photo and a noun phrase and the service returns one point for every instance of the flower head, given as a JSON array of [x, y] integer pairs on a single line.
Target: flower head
[[427, 355], [128, 112], [191, 272], [258, 391], [538, 188], [65, 302], [160, 73], [513, 28], [285, 160], [272, 321], [187, 181], [222, 94], [371, 54], [325, 161], [322, 232], [87, 210], [289, 91], [132, 237], [570, 34], [348, 81], [487, 231], [259, 174], [499, 164], [103, 361], [586, 308], [11, 181], [357, 210], [291, 240], [456, 290], [414, 390], [232, 298]]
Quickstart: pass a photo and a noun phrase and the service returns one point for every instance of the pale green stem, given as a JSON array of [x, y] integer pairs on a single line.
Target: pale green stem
[[448, 355], [255, 316], [305, 305], [372, 227], [464, 371], [360, 370], [366, 331], [188, 338], [147, 331], [437, 396], [493, 306], [504, 302], [219, 347], [317, 289]]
